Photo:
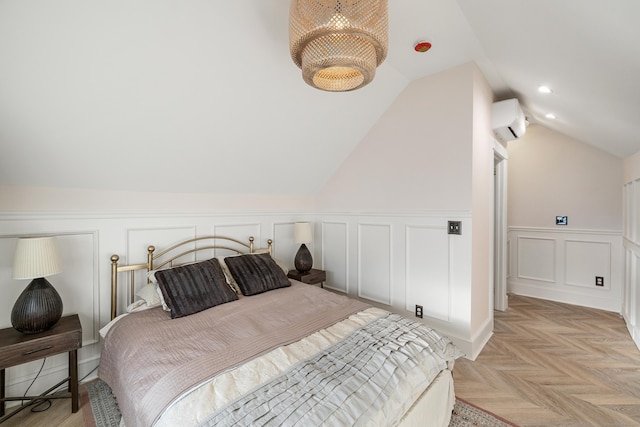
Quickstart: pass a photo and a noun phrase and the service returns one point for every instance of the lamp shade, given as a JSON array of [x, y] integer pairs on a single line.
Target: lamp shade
[[36, 257], [338, 43], [39, 306], [302, 232]]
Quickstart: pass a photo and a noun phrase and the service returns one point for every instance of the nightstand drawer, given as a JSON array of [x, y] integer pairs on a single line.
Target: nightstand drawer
[[18, 348], [312, 277]]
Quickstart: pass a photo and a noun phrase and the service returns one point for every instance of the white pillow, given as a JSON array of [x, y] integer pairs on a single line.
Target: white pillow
[[149, 295], [165, 307]]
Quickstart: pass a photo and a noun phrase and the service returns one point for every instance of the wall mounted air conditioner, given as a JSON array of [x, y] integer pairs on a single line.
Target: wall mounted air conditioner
[[507, 120]]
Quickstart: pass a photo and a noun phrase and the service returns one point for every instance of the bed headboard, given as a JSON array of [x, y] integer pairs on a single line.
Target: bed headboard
[[171, 257]]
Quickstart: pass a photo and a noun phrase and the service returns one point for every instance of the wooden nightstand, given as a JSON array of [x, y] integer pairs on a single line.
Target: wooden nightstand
[[17, 348], [311, 277]]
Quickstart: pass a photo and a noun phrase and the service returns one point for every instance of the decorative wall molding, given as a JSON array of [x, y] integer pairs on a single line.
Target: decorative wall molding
[[428, 265], [375, 263], [372, 255], [537, 258], [335, 253], [561, 265]]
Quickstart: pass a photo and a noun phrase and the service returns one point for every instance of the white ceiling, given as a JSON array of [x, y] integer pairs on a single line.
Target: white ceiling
[[202, 96]]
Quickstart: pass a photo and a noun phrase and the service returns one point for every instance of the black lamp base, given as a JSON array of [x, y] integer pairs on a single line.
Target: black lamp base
[[303, 260], [37, 309]]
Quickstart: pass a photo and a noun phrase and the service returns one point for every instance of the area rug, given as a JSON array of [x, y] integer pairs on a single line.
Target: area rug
[[466, 414], [100, 409]]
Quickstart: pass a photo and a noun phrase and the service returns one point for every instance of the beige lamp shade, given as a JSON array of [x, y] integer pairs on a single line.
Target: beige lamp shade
[[302, 232], [36, 257]]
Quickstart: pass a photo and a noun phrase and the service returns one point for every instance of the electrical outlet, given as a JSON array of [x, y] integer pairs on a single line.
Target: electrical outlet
[[455, 227], [419, 311], [599, 281]]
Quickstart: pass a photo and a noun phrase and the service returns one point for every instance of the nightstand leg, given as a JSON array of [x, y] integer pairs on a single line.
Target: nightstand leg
[[73, 380], [2, 396]]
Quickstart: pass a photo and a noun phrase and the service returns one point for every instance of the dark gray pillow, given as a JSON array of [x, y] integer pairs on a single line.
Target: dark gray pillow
[[194, 287], [256, 274]]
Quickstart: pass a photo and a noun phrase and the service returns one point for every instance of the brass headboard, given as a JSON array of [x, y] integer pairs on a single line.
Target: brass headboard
[[167, 258]]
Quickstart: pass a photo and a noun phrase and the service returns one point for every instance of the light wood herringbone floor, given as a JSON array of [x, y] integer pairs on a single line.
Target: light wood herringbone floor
[[547, 364], [552, 364]]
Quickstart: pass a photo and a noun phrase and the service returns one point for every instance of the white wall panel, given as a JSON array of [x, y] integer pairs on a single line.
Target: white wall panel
[[584, 260], [138, 242], [335, 255], [374, 262], [428, 264], [284, 248], [561, 266], [536, 258]]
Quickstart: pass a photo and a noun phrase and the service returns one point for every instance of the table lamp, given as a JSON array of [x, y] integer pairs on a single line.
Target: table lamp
[[302, 234], [39, 306]]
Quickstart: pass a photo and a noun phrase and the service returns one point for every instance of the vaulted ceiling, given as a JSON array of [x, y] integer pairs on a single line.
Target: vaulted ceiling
[[202, 96]]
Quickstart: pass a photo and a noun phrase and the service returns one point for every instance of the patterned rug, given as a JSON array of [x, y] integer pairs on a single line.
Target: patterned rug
[[100, 409]]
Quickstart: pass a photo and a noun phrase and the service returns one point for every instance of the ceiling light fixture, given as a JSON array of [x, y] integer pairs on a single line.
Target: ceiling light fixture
[[338, 43], [544, 89], [550, 116]]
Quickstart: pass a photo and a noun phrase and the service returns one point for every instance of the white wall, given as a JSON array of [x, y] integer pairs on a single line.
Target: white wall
[[631, 233], [482, 188], [551, 174], [417, 157], [428, 160]]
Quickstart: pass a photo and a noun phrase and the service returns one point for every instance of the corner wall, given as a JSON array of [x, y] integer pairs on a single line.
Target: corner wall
[[384, 213], [553, 175], [631, 233]]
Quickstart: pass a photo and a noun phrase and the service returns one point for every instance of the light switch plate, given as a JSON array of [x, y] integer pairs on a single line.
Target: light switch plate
[[455, 227]]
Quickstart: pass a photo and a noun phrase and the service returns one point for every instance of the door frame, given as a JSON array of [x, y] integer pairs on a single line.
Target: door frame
[[500, 298]]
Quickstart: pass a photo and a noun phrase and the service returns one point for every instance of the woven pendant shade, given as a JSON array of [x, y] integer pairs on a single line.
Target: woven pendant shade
[[338, 43]]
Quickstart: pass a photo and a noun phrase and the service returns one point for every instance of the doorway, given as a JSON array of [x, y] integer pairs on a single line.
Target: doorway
[[500, 298]]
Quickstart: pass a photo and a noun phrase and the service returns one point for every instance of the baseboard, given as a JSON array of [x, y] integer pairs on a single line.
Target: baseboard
[[633, 331], [601, 302]]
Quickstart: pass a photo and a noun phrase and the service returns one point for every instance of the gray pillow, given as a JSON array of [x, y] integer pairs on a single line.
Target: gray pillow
[[195, 287], [256, 274]]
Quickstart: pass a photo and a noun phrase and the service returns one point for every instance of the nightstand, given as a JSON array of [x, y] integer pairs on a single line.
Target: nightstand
[[311, 277], [17, 348]]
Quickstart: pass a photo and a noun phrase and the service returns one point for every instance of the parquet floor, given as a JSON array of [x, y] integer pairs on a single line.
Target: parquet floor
[[552, 364]]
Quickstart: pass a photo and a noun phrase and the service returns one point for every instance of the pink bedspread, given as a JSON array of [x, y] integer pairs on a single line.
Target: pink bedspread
[[149, 359]]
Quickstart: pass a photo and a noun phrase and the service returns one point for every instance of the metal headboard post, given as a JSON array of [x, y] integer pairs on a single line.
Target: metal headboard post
[[150, 250], [114, 285]]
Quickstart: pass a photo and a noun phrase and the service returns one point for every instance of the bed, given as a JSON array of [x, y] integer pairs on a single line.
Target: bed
[[225, 338]]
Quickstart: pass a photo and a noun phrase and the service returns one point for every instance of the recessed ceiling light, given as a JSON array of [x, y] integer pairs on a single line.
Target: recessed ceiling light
[[550, 116], [544, 89]]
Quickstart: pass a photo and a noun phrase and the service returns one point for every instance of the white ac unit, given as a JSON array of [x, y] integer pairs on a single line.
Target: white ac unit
[[507, 120]]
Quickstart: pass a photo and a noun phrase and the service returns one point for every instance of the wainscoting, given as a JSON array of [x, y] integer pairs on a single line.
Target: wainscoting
[[398, 261], [394, 260], [562, 266]]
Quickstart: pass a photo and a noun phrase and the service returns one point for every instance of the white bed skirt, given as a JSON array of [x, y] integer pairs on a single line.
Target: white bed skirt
[[435, 406]]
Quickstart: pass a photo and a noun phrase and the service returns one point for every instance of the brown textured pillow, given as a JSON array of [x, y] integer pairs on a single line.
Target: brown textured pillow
[[194, 287], [256, 274]]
